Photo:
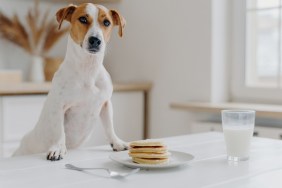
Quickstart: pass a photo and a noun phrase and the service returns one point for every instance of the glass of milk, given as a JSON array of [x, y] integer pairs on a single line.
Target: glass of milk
[[238, 128]]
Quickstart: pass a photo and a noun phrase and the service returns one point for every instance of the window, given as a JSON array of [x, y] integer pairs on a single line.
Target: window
[[256, 51], [263, 43]]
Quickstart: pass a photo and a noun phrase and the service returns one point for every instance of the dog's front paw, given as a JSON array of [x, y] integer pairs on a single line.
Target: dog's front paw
[[57, 152], [119, 145]]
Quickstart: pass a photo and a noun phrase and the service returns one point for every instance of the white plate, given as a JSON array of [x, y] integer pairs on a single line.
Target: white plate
[[177, 158]]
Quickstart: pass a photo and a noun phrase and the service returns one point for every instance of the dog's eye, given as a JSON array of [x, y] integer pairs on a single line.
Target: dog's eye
[[107, 23], [83, 20]]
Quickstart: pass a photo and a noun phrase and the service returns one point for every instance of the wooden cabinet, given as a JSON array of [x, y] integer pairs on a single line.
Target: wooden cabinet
[[20, 113]]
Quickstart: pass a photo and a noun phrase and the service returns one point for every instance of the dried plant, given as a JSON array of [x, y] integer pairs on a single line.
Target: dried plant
[[39, 35], [13, 30], [53, 35]]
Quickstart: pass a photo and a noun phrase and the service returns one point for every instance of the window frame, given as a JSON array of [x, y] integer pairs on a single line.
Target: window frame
[[239, 91]]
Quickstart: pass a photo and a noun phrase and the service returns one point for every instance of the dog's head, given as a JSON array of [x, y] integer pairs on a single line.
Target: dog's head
[[91, 25]]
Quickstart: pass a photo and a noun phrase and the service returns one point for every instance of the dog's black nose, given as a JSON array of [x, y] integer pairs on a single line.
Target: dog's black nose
[[94, 42]]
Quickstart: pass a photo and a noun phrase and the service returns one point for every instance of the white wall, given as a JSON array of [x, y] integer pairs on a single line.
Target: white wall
[[168, 42]]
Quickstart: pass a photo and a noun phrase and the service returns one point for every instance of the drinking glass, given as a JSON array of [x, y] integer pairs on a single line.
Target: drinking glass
[[238, 128]]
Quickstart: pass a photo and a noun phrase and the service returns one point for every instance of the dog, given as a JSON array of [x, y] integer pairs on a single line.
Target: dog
[[81, 89]]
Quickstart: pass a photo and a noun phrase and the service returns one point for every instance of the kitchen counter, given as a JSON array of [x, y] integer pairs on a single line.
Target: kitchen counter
[[262, 110], [209, 168], [28, 88]]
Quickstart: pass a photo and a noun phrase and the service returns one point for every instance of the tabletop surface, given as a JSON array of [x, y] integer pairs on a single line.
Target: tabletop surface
[[209, 168]]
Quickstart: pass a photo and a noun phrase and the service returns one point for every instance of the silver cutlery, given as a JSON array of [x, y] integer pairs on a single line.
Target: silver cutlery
[[111, 172]]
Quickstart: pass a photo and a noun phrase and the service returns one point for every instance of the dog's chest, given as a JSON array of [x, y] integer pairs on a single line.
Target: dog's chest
[[81, 116], [79, 121], [96, 92], [90, 99]]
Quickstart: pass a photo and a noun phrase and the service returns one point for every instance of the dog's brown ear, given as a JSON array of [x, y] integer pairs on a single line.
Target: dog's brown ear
[[65, 14], [118, 20]]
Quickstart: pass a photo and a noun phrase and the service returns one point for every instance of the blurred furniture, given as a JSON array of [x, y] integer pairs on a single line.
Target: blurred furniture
[[21, 104], [52, 64], [86, 1], [10, 76], [262, 111], [209, 168]]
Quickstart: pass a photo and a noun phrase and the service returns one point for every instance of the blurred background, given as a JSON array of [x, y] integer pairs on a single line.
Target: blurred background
[[179, 63]]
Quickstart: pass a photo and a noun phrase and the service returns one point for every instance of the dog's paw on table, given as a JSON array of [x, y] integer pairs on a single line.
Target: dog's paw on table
[[56, 153], [119, 145]]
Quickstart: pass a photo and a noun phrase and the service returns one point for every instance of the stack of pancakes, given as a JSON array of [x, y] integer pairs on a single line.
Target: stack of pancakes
[[148, 152]]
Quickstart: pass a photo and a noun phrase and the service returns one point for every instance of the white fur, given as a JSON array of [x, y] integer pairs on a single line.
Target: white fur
[[80, 96]]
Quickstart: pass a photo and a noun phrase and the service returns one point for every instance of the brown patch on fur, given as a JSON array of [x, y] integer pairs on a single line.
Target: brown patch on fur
[[103, 15], [72, 13], [118, 20], [65, 14], [79, 30]]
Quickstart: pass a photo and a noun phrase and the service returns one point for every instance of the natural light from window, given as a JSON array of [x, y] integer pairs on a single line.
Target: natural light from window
[[263, 44]]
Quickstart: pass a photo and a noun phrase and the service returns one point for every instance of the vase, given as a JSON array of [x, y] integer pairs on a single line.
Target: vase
[[36, 73]]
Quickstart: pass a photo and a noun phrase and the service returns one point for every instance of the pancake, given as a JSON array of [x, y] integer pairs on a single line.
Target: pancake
[[149, 142], [148, 152], [149, 155], [150, 161]]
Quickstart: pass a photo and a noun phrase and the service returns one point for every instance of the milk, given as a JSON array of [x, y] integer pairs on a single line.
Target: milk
[[238, 140]]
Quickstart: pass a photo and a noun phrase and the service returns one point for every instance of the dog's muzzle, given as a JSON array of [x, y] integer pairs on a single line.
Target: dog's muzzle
[[94, 44]]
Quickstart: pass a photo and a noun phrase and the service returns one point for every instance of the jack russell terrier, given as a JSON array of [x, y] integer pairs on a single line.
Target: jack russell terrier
[[81, 89]]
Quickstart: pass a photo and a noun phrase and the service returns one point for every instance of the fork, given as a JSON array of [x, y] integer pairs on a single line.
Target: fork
[[111, 172]]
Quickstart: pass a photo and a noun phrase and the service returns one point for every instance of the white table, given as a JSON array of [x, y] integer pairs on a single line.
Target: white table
[[209, 168]]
